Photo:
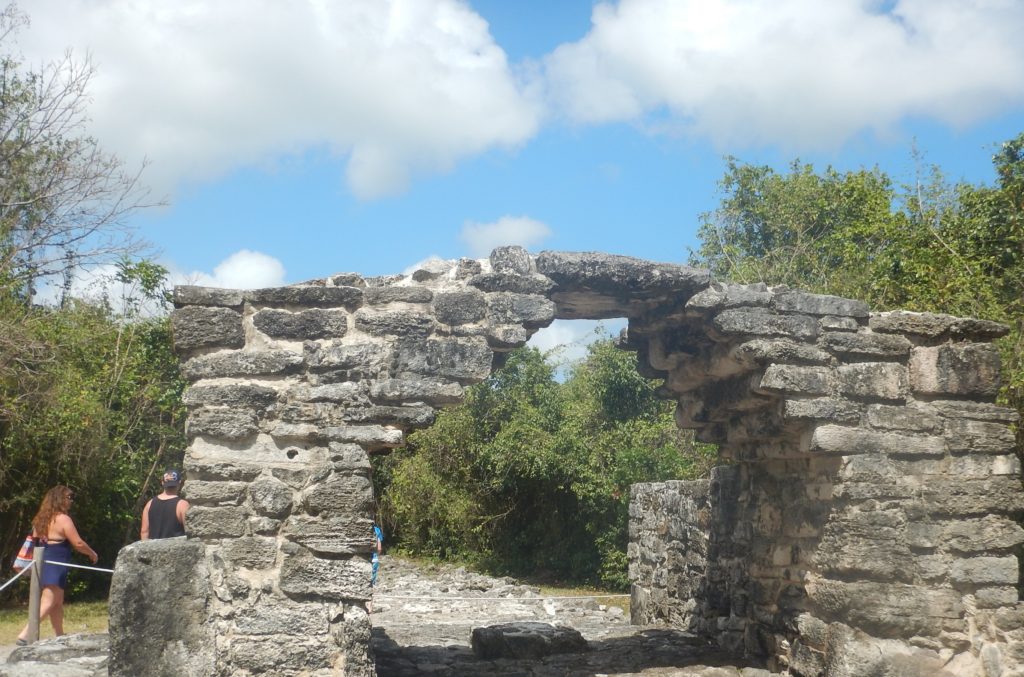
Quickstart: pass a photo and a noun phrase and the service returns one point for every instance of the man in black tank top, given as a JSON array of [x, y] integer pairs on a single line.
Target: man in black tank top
[[164, 515]]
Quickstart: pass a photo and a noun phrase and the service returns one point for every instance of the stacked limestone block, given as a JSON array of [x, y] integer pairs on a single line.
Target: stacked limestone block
[[879, 485], [291, 389]]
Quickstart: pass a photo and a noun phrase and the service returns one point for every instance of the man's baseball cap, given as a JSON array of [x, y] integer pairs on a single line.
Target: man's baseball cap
[[172, 478]]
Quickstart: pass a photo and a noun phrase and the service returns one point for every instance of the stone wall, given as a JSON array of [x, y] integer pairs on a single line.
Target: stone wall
[[870, 501]]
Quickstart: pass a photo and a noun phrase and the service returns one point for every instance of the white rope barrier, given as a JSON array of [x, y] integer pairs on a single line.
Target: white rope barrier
[[16, 577], [80, 566]]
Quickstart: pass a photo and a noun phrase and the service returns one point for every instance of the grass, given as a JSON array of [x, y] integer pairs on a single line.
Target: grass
[[78, 617], [600, 596]]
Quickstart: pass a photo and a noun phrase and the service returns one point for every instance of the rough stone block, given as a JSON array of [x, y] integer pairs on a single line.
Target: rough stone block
[[511, 259], [979, 437], [159, 597], [272, 656], [984, 571], [529, 310], [305, 576], [270, 497], [995, 598], [329, 297], [932, 325], [347, 280], [886, 610], [873, 380], [795, 380], [466, 268], [866, 344], [869, 543], [409, 390], [201, 326], [761, 352], [394, 323], [280, 618], [251, 552], [836, 323], [228, 424], [991, 532], [507, 337], [462, 307], [758, 322], [367, 356], [338, 494], [242, 363], [526, 639], [910, 418], [965, 369], [977, 411], [188, 295], [315, 323], [239, 395], [617, 275], [966, 496], [214, 493], [818, 304], [720, 296], [462, 360], [516, 284], [834, 439], [370, 437], [221, 522], [337, 535], [379, 296]]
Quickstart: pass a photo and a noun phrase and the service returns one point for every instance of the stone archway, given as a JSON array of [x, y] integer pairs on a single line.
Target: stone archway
[[872, 485]]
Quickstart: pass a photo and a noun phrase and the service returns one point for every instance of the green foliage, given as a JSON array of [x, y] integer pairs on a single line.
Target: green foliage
[[531, 476], [930, 246]]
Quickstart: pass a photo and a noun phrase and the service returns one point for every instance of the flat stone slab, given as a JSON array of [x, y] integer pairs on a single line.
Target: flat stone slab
[[526, 639], [80, 655]]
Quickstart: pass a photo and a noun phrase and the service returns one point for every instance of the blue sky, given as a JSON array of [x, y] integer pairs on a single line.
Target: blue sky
[[294, 140]]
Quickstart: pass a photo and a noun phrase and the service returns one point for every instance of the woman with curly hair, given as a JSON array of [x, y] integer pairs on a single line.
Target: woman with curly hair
[[53, 525]]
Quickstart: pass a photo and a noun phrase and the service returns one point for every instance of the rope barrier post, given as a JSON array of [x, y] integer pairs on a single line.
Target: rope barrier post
[[35, 591]]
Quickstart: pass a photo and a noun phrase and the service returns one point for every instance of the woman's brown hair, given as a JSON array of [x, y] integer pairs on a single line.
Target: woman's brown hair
[[55, 502]]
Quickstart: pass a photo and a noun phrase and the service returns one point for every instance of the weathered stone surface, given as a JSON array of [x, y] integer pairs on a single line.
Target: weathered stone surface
[[979, 437], [969, 369], [306, 324], [349, 392], [200, 326], [866, 344], [199, 492], [393, 323], [242, 363], [507, 282], [886, 609], [460, 307], [231, 395], [429, 391], [172, 636], [378, 296], [835, 323], [868, 543], [818, 304], [529, 310], [985, 571], [347, 280], [364, 356], [511, 259], [76, 655], [873, 380], [188, 295], [337, 493], [907, 418], [849, 653], [251, 552], [757, 322], [824, 409], [332, 535], [797, 380], [935, 325], [370, 437], [978, 411], [229, 424], [270, 496], [282, 618], [467, 267], [759, 352], [220, 522], [528, 639], [305, 576], [270, 655], [987, 533], [834, 439], [966, 496], [719, 296], [331, 297], [463, 360], [507, 336], [432, 269]]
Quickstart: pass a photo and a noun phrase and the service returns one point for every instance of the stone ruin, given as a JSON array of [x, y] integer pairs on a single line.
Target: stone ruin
[[865, 521]]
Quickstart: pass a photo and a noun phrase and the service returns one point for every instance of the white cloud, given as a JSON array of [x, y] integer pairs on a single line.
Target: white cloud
[[570, 338], [508, 230], [801, 73], [400, 87], [244, 269]]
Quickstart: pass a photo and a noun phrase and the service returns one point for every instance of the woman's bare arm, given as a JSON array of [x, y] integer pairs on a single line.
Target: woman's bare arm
[[67, 525]]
